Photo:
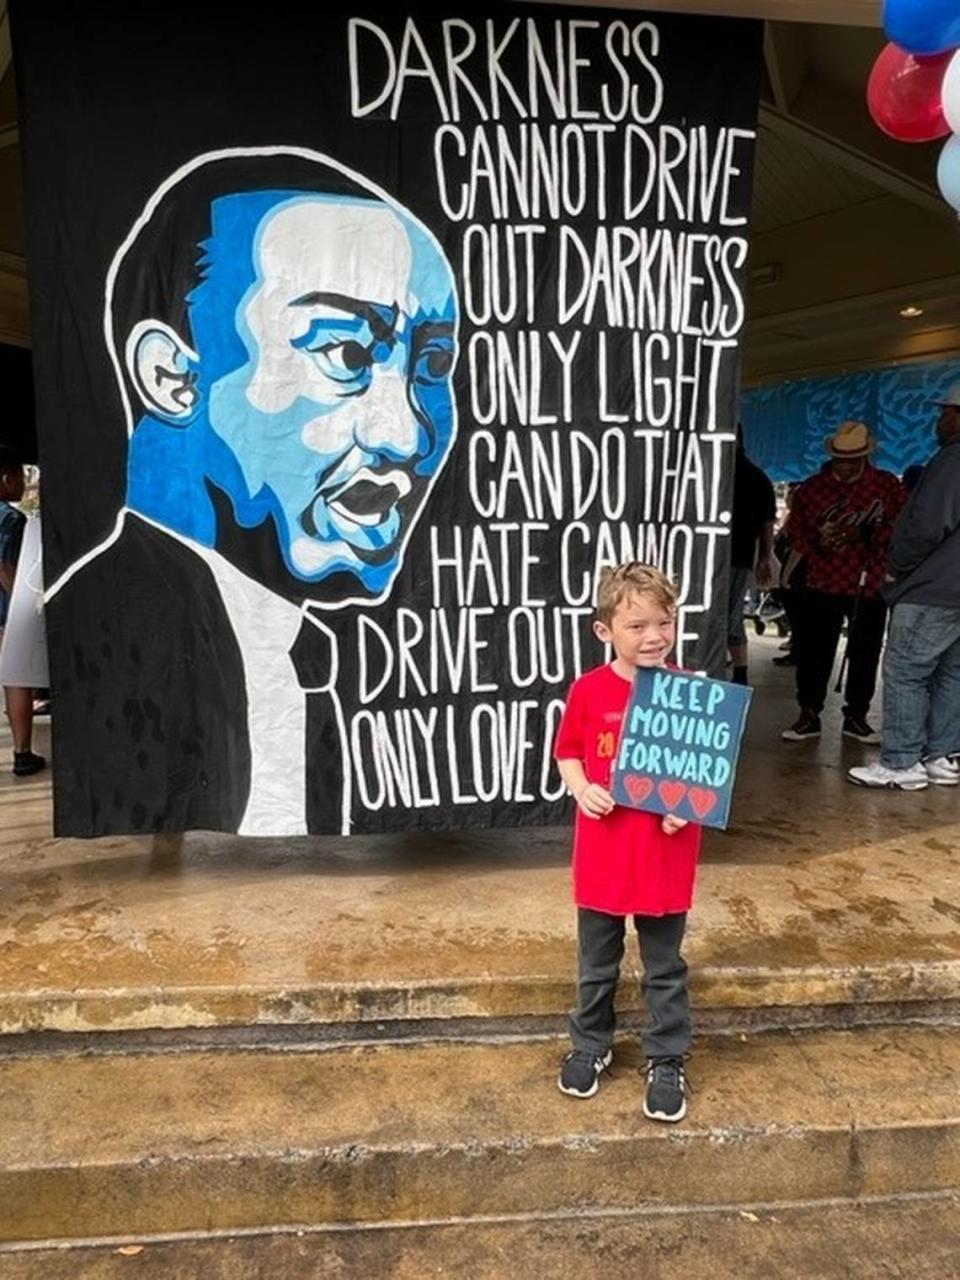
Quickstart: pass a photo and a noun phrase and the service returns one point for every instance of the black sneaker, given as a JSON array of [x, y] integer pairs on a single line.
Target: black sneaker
[[27, 762], [806, 726], [666, 1096], [580, 1072], [857, 728], [785, 660]]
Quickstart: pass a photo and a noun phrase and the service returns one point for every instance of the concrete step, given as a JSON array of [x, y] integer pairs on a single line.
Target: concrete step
[[900, 1239], [150, 1144], [730, 996], [216, 931]]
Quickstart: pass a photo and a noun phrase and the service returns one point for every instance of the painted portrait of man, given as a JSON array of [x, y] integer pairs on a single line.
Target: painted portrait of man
[[284, 338]]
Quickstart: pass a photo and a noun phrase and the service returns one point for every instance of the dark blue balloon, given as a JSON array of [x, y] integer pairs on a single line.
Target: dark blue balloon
[[923, 26]]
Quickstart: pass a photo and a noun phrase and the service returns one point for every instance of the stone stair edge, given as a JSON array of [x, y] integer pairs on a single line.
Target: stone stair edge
[[483, 995], [423, 1132]]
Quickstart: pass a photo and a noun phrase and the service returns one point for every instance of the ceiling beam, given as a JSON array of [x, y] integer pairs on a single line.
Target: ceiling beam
[[832, 110], [885, 301], [787, 61], [853, 252], [6, 52], [843, 13], [793, 360], [840, 152], [14, 312]]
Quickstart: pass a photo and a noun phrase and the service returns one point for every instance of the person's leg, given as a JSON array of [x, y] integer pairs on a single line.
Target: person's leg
[[666, 1033], [821, 631], [790, 599], [600, 951], [915, 643], [736, 632], [943, 723], [864, 644], [19, 704], [20, 714], [794, 600]]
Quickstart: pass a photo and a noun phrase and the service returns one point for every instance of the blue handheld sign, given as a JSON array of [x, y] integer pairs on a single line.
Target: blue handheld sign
[[679, 745]]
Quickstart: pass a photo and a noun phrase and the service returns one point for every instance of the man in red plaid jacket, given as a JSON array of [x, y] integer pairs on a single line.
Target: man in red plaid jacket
[[841, 522]]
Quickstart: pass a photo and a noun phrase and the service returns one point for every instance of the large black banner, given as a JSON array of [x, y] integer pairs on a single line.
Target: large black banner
[[362, 341]]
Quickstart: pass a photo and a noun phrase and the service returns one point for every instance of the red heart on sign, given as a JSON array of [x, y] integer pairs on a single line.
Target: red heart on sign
[[671, 793], [702, 800], [637, 788]]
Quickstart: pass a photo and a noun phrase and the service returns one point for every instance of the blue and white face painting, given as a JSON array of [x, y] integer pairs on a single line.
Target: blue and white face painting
[[343, 411]]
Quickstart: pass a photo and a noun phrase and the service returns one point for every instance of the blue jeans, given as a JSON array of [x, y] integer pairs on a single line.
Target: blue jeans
[[921, 685]]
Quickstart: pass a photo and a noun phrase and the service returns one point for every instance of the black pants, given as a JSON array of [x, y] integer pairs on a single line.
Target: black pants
[[794, 601], [664, 984], [822, 623]]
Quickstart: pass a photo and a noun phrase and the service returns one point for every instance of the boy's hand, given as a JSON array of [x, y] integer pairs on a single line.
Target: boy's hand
[[595, 801], [671, 824]]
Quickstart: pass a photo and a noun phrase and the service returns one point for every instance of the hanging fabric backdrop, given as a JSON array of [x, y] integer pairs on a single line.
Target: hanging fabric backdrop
[[785, 425], [363, 339]]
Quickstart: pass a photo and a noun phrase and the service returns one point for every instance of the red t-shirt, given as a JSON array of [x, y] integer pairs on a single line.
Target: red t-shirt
[[623, 864], [870, 504]]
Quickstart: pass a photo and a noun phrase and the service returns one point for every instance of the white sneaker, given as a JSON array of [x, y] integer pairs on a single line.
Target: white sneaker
[[942, 771], [878, 775]]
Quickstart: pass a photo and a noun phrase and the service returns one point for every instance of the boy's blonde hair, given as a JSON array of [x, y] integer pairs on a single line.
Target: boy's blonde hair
[[633, 579]]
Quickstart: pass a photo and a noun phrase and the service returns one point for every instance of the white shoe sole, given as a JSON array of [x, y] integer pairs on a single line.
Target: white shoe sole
[[873, 740], [588, 1093], [943, 782], [789, 736], [662, 1115], [888, 786]]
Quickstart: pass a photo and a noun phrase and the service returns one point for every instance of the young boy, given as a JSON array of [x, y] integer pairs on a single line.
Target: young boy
[[626, 862]]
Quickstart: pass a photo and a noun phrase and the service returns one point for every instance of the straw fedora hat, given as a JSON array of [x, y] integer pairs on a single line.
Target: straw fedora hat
[[850, 440]]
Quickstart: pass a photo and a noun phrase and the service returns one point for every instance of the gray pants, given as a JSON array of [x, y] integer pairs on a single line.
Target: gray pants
[[664, 984]]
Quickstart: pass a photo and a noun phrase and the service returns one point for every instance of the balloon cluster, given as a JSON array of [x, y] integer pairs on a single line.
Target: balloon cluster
[[914, 87]]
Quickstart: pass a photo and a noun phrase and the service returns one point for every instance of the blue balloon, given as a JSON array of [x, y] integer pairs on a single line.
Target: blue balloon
[[923, 26], [948, 172]]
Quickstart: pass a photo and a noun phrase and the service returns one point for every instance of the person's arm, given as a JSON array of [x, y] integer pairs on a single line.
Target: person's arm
[[570, 750], [800, 531], [11, 535], [878, 537], [931, 515], [766, 564], [593, 800], [793, 559]]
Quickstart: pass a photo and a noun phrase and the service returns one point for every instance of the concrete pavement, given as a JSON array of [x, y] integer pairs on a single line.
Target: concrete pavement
[[820, 894]]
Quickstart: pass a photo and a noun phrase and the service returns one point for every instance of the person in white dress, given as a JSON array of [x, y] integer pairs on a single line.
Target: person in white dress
[[23, 648]]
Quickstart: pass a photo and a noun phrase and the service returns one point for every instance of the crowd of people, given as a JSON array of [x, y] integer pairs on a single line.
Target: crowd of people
[[881, 555]]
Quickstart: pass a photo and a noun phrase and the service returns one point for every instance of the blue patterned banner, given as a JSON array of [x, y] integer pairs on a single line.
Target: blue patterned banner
[[785, 425]]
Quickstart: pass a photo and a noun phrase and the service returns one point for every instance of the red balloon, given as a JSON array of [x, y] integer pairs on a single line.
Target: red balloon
[[904, 94]]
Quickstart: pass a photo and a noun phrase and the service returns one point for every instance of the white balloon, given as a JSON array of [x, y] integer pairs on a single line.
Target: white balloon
[[950, 93], [948, 172]]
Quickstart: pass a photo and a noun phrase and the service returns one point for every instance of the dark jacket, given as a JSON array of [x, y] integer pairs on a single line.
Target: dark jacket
[[150, 706], [925, 551], [754, 505], [150, 714]]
